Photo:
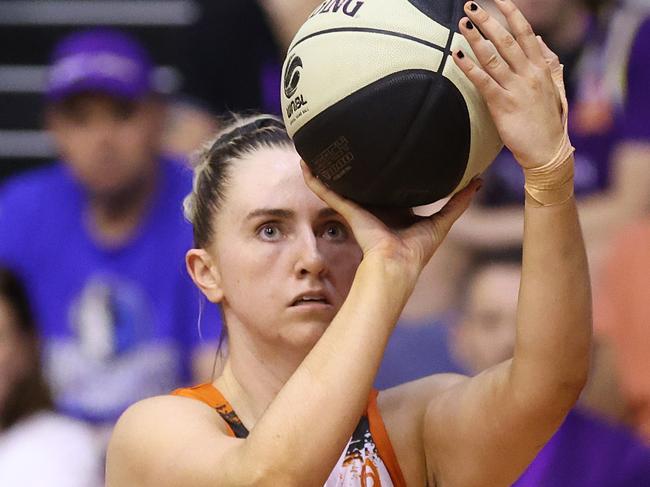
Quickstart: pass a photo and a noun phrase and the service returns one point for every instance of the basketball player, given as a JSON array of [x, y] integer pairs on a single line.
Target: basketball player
[[312, 285]]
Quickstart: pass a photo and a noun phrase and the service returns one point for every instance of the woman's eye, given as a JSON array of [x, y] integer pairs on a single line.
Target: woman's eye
[[335, 231], [269, 232]]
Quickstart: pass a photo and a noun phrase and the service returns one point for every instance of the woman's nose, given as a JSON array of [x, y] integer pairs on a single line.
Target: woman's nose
[[310, 260]]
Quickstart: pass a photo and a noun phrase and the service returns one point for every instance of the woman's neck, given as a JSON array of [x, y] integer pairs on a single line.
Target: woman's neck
[[253, 376]]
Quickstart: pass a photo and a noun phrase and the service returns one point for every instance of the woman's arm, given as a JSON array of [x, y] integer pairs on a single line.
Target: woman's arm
[[501, 418], [486, 430]]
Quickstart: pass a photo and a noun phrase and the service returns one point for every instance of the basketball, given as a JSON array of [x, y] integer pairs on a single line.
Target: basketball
[[377, 107]]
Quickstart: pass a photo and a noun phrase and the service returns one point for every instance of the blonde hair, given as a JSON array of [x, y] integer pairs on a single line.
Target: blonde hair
[[212, 163]]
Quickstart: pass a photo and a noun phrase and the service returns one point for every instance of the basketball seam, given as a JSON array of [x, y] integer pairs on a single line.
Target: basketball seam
[[381, 181], [414, 118], [445, 50]]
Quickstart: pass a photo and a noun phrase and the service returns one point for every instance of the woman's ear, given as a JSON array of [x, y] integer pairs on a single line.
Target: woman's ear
[[205, 274]]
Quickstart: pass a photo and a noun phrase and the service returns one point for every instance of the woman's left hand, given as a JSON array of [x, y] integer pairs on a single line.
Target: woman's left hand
[[520, 80]]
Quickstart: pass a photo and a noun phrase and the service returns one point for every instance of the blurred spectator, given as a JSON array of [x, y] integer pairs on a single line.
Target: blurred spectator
[[416, 349], [233, 59], [622, 318], [99, 238], [585, 451], [37, 447], [607, 78]]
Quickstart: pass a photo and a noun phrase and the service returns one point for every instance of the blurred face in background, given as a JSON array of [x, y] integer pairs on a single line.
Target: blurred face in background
[[16, 353], [110, 144], [485, 334], [543, 14]]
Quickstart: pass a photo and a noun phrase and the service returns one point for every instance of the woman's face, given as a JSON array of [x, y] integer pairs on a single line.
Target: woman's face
[[14, 352], [286, 260]]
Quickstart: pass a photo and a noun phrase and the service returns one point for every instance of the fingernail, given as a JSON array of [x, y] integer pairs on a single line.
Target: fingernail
[[469, 24], [460, 54], [473, 7]]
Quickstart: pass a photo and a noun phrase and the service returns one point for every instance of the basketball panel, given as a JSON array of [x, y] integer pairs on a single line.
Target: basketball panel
[[392, 15], [333, 66], [386, 144], [447, 14]]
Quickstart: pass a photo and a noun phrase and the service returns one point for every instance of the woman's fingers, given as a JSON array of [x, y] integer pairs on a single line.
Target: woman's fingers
[[553, 62], [421, 236], [489, 58], [484, 83], [344, 207], [550, 57], [522, 30], [364, 225], [437, 226], [455, 207], [500, 38]]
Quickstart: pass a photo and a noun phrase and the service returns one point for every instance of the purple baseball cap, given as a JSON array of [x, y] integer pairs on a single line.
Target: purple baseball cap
[[99, 61]]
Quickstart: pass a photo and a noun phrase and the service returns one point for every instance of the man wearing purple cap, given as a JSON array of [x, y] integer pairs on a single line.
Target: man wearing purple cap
[[100, 239]]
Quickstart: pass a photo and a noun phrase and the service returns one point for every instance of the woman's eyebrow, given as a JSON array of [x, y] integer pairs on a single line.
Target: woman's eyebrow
[[271, 212], [287, 214], [328, 213]]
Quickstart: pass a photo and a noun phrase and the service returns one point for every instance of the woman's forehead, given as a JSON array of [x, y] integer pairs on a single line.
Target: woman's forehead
[[270, 178]]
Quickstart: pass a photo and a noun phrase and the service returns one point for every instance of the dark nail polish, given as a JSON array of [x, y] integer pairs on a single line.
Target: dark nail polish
[[469, 24], [473, 7], [460, 54]]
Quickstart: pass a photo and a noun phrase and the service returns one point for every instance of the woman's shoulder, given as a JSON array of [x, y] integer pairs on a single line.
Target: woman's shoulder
[[168, 414], [157, 430]]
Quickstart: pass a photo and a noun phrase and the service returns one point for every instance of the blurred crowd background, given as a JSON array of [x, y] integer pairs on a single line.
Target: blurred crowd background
[[97, 311]]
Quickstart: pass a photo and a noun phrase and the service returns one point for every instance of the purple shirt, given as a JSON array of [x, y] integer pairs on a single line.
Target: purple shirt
[[587, 452], [636, 119], [118, 324]]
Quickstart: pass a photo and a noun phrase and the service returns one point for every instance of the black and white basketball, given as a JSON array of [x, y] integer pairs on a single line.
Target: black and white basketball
[[376, 105]]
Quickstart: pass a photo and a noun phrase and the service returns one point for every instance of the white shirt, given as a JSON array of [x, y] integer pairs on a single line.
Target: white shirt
[[49, 450]]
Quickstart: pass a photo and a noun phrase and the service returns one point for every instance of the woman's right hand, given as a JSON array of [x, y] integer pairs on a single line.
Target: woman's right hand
[[410, 247]]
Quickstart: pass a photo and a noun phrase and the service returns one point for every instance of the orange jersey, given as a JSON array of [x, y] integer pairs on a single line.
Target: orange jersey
[[368, 460]]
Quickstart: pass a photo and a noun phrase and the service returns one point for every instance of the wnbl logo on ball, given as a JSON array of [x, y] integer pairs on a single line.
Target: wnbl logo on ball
[[291, 80]]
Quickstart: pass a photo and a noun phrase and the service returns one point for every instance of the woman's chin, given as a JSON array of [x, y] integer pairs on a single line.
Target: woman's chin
[[305, 333]]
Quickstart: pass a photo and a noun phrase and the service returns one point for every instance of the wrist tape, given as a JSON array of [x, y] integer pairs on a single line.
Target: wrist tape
[[552, 183]]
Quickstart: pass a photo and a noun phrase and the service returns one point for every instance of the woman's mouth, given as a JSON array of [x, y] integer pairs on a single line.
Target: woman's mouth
[[311, 300]]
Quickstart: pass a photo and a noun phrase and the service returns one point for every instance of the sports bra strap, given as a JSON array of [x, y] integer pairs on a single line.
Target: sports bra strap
[[211, 396]]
